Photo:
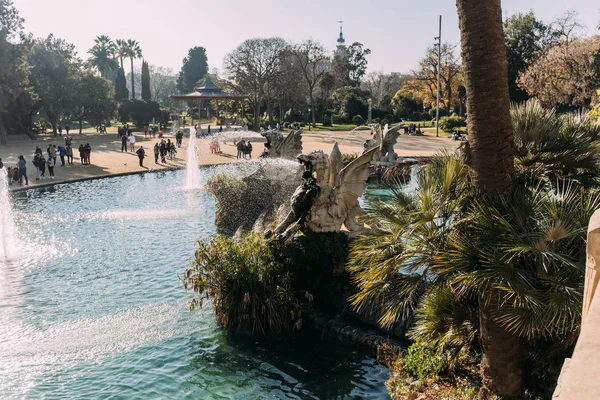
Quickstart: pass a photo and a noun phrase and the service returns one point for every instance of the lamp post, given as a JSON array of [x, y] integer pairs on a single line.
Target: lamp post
[[439, 66]]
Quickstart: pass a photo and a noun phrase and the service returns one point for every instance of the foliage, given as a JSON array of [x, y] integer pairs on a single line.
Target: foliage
[[92, 99], [247, 286], [132, 50], [358, 120], [348, 101], [194, 68], [555, 148], [121, 91], [452, 122], [53, 69], [326, 120], [139, 111], [102, 54], [163, 84], [352, 65], [526, 38], [566, 74], [405, 105], [423, 84], [312, 58], [146, 95]]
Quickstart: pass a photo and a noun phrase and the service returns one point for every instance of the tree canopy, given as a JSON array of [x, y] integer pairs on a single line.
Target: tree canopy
[[194, 68]]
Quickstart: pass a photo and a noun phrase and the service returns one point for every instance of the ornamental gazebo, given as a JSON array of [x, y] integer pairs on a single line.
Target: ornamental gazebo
[[206, 92]]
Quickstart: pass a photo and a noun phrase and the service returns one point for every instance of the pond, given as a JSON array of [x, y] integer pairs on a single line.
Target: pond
[[91, 306]]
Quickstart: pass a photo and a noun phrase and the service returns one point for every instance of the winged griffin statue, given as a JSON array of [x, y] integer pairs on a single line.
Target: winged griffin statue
[[279, 147], [328, 198]]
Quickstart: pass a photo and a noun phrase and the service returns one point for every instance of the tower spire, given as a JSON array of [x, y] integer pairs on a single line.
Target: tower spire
[[341, 38]]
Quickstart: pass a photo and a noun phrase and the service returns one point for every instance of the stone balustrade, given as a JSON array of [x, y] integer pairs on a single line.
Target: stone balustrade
[[579, 378]]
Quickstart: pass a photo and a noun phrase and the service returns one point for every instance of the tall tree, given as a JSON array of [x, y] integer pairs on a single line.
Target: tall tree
[[146, 95], [253, 65], [133, 51], [102, 55], [194, 68], [351, 66], [53, 69], [121, 91], [312, 57], [162, 84], [13, 70], [526, 38], [121, 51], [491, 167], [92, 99]]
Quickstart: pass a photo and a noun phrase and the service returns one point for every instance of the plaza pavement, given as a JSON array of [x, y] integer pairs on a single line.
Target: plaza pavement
[[107, 158]]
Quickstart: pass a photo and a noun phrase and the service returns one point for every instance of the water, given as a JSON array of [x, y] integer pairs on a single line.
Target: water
[[192, 169], [7, 230], [93, 307]]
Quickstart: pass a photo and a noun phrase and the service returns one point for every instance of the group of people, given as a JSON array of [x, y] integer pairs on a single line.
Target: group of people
[[163, 149], [126, 139], [17, 173], [244, 149]]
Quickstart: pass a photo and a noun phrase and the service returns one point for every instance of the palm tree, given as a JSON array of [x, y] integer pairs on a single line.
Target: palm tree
[[103, 55], [121, 51], [133, 50], [448, 252], [491, 168]]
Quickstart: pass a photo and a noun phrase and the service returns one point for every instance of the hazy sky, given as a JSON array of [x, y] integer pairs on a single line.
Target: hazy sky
[[396, 31]]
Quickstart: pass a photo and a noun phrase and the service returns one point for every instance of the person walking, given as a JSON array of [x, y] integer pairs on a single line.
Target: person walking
[[22, 164], [69, 154], [156, 153], [132, 142], [145, 130], [124, 143], [141, 154], [67, 129], [42, 163], [51, 167]]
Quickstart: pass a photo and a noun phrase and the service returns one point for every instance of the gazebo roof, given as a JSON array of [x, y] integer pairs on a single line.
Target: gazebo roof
[[208, 91]]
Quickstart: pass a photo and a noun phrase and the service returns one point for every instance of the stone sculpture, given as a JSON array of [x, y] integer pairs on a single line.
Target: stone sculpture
[[279, 147]]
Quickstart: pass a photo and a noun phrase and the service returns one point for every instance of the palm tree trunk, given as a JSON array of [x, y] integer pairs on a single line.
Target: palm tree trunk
[[491, 168], [132, 80]]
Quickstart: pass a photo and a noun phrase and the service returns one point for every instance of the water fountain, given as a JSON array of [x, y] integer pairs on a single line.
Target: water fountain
[[192, 170], [7, 227]]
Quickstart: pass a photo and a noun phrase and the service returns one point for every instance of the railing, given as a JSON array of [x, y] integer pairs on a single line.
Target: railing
[[580, 375]]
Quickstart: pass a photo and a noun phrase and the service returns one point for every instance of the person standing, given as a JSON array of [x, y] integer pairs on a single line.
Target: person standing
[[52, 152], [124, 143], [145, 130], [209, 130], [240, 149], [156, 153], [51, 167], [88, 153], [67, 129], [60, 129], [61, 153], [249, 149], [22, 171], [69, 154], [132, 142], [36, 164], [68, 140], [82, 154]]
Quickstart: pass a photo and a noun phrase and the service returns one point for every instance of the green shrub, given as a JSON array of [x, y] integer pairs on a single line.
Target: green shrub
[[422, 362], [358, 120], [347, 158], [246, 284], [452, 122], [326, 120]]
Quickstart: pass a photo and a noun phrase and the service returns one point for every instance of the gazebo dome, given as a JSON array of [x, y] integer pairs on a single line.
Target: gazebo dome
[[208, 91]]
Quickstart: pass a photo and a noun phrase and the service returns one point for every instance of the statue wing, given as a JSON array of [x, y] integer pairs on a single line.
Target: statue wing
[[291, 145], [352, 179]]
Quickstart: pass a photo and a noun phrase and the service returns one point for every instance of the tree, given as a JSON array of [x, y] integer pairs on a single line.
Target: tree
[[194, 68], [121, 51], [162, 84], [526, 38], [352, 65], [14, 83], [146, 95], [133, 50], [92, 99], [424, 79], [54, 66], [404, 104], [491, 167], [253, 65], [312, 58], [566, 74], [121, 91], [102, 53]]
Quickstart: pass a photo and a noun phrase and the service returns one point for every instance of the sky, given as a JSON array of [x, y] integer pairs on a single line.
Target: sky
[[396, 31]]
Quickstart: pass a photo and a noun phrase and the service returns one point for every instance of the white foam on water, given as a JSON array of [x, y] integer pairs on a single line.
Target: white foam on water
[[8, 238]]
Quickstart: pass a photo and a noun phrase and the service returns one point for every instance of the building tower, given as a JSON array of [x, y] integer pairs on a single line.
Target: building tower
[[340, 49]]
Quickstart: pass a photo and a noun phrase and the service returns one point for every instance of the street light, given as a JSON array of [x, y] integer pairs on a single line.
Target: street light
[[437, 97]]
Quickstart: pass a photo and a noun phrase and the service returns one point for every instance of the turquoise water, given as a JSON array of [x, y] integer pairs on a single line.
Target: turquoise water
[[91, 307]]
